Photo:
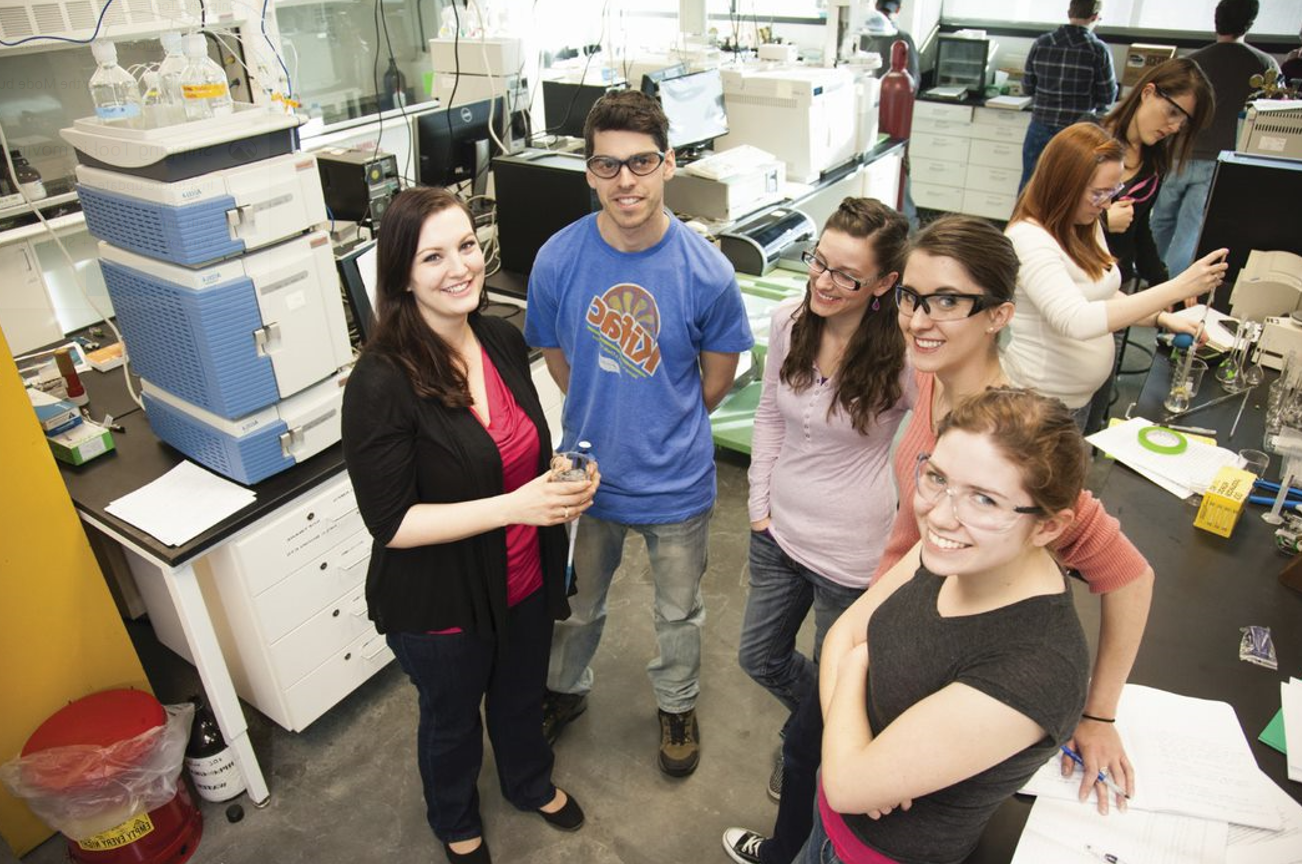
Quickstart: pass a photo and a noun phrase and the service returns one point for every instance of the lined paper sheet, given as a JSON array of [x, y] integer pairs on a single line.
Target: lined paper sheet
[[1071, 832], [1255, 846], [1181, 474], [1190, 757], [181, 504]]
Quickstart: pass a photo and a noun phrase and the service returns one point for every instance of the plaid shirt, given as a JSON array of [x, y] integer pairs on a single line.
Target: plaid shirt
[[1069, 74]]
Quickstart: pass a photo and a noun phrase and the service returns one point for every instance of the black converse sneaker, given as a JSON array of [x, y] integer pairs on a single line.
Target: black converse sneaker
[[743, 846]]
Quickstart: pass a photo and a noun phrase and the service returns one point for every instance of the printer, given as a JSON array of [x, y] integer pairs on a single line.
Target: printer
[[727, 185], [756, 246], [805, 116], [1272, 128], [1268, 285]]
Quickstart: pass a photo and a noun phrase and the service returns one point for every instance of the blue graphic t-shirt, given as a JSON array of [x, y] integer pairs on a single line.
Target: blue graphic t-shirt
[[632, 327]]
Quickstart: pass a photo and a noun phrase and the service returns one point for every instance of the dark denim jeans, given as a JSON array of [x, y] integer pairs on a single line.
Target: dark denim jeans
[[453, 673], [801, 754], [1037, 138], [782, 591]]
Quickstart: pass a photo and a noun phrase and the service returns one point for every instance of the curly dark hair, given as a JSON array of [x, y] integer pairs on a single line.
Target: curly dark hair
[[870, 371]]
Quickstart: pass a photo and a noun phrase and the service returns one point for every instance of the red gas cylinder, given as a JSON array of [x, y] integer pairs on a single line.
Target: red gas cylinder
[[165, 835], [896, 112]]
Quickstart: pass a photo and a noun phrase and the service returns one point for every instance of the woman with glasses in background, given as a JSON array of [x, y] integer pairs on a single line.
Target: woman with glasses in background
[[964, 667], [835, 390], [1156, 124], [1069, 301]]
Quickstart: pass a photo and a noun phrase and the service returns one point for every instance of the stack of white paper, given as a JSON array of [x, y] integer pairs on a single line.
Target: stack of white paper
[[1291, 695], [181, 504], [1182, 474], [1195, 774]]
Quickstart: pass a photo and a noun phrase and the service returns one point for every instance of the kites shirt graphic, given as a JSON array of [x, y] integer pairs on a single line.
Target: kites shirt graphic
[[626, 321]]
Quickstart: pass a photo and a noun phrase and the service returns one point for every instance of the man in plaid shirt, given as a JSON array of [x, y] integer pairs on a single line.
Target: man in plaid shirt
[[1068, 75]]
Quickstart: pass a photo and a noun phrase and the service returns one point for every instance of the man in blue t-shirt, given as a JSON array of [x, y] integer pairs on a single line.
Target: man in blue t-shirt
[[640, 322]]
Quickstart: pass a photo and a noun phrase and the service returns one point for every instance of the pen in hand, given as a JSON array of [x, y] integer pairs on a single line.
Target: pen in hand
[[1102, 778]]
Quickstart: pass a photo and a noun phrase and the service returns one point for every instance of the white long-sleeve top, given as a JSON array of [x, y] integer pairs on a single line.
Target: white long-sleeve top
[[1060, 345], [828, 489]]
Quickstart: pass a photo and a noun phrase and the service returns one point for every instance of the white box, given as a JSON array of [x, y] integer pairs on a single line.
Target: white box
[[729, 197], [467, 56]]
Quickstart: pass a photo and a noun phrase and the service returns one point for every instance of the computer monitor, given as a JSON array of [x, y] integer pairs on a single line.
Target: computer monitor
[[453, 145], [566, 105], [651, 80], [357, 273], [694, 105]]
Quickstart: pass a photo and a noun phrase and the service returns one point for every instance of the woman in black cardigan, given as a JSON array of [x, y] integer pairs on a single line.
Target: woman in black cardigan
[[448, 452]]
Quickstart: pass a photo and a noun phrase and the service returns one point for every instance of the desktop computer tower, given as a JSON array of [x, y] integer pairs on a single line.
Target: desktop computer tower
[[538, 193]]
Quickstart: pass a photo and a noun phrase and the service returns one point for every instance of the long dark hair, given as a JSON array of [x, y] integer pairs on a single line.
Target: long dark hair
[[1176, 77], [400, 333], [870, 371]]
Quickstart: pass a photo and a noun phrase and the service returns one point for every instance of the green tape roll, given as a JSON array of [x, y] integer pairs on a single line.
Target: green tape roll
[[1160, 440]]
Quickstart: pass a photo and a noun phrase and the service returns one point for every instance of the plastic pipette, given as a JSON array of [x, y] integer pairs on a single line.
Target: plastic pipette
[[1273, 516]]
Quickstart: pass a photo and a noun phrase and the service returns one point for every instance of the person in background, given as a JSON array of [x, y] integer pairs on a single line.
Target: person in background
[[1291, 68], [835, 389], [1228, 63], [640, 321], [1068, 75], [964, 667], [1069, 301], [882, 42], [446, 447]]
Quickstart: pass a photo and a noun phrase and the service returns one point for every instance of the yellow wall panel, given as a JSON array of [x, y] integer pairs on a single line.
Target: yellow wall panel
[[60, 635]]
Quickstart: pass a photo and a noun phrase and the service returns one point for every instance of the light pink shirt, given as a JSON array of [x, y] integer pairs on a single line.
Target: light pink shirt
[[827, 488]]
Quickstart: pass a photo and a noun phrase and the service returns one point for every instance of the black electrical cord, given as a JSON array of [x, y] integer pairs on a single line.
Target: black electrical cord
[[399, 102], [203, 15]]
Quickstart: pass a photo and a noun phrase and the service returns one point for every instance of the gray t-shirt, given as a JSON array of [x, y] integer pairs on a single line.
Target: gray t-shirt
[[1228, 65], [1030, 656]]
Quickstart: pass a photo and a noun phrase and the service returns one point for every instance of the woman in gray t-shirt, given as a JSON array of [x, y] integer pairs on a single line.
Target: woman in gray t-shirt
[[968, 654]]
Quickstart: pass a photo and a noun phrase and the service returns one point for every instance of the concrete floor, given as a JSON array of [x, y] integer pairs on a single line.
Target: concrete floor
[[347, 788]]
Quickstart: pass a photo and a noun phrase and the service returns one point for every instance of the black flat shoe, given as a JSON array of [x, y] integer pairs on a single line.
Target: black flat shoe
[[568, 818], [478, 855]]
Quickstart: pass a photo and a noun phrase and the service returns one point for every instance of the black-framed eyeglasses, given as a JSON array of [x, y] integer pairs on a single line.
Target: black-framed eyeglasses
[[641, 164], [1185, 117], [974, 508], [943, 305], [818, 267]]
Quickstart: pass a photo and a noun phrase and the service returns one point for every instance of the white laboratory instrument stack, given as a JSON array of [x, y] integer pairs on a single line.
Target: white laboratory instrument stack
[[226, 295]]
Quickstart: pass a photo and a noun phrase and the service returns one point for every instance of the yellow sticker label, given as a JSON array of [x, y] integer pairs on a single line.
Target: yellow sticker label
[[124, 835], [203, 91]]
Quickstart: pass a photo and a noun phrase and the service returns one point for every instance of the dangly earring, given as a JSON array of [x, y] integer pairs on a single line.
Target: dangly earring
[[877, 303]]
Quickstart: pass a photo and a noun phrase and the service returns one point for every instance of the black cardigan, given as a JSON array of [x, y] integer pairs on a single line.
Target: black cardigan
[[402, 450]]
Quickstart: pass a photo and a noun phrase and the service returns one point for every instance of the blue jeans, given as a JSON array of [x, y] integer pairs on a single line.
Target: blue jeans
[[802, 751], [1177, 217], [452, 674], [781, 593], [678, 553], [818, 848], [1037, 138]]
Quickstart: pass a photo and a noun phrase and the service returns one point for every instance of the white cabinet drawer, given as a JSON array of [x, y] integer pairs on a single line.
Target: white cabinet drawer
[[290, 602], [989, 204], [996, 154], [941, 127], [931, 146], [1002, 117], [939, 172], [949, 198], [923, 110], [325, 633], [990, 132], [982, 178], [298, 534], [336, 678]]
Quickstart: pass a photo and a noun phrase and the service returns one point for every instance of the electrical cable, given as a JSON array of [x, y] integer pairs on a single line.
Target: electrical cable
[[99, 22], [398, 99], [289, 84]]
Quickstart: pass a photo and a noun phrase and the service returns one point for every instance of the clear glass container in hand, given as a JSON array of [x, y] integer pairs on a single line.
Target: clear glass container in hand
[[571, 466]]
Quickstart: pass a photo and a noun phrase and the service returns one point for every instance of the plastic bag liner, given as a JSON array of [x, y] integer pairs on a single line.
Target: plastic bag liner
[[83, 790]]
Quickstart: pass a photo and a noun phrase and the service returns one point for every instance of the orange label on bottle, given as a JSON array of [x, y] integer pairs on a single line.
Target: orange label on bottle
[[123, 835], [203, 91]]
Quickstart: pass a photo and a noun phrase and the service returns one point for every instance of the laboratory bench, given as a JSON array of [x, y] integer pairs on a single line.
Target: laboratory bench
[[1206, 588]]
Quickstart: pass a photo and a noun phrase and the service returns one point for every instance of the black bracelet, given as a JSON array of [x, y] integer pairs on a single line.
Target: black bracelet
[[1084, 716]]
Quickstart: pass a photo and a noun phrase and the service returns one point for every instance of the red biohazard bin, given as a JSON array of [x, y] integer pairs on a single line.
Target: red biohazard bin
[[165, 835]]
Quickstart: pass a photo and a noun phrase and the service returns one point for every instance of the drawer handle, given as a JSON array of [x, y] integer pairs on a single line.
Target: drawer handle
[[335, 614], [374, 648], [359, 607]]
